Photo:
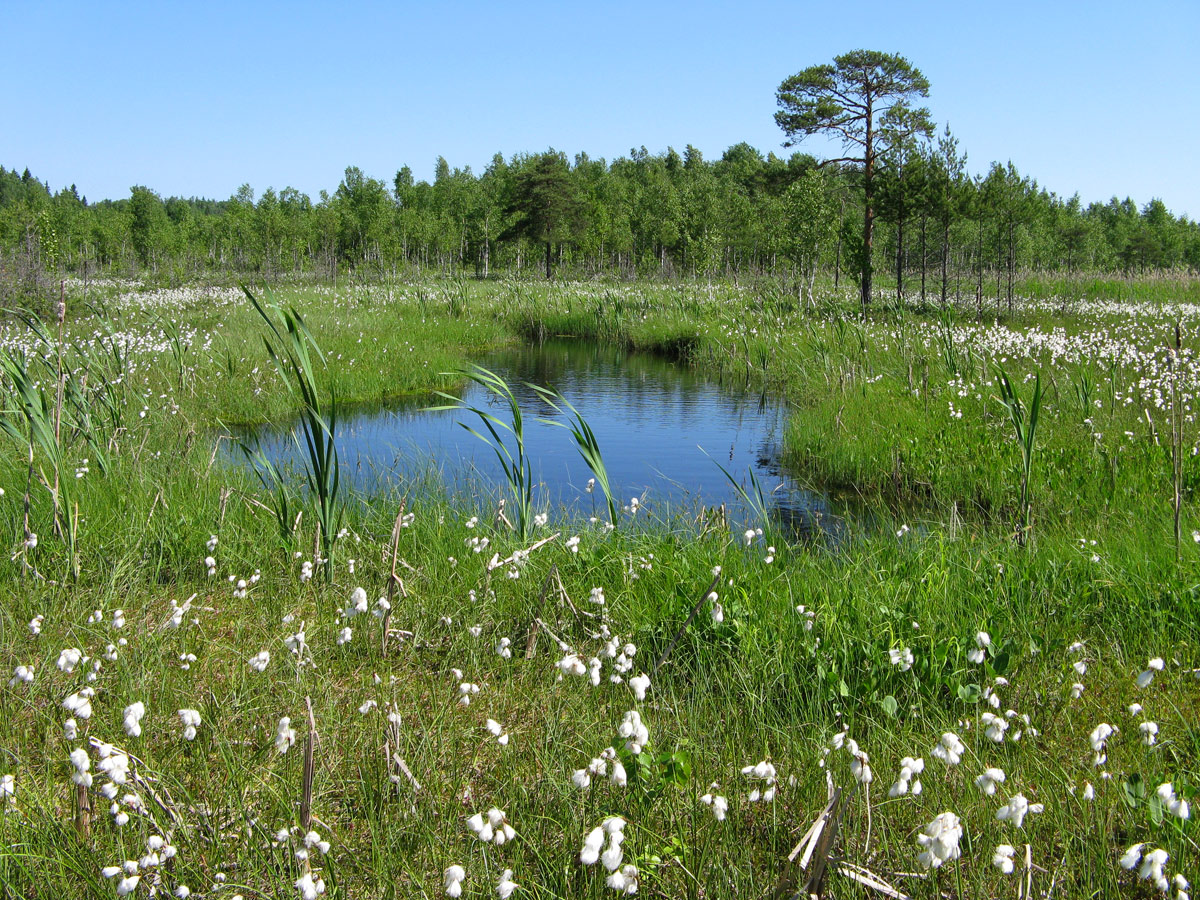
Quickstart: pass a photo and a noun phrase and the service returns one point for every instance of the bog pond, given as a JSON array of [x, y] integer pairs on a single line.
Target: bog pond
[[661, 428]]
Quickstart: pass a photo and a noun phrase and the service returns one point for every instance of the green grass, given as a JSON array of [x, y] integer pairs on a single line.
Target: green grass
[[758, 685]]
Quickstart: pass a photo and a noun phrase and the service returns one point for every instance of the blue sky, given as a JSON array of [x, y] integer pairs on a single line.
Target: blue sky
[[188, 98]]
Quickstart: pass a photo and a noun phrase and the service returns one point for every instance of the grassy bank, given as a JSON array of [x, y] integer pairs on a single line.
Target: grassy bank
[[827, 662]]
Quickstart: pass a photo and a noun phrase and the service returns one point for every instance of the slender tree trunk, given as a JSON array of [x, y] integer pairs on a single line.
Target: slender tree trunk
[[1012, 262], [999, 265], [923, 220], [945, 257], [868, 211], [837, 260], [549, 259], [900, 259], [979, 273]]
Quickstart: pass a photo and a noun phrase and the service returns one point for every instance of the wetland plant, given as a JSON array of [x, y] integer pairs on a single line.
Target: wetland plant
[[514, 462], [1024, 418], [585, 442], [292, 347]]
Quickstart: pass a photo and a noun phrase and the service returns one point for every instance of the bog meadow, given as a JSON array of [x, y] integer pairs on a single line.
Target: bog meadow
[[227, 674]]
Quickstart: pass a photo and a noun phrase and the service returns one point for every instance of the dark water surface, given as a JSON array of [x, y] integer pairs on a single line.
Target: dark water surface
[[654, 422]]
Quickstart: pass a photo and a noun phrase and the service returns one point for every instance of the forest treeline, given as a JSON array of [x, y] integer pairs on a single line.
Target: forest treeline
[[939, 229]]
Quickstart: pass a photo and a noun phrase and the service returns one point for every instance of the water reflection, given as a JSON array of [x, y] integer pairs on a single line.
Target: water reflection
[[655, 423]]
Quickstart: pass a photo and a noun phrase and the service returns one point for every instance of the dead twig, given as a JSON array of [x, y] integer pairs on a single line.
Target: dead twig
[[818, 843], [496, 562], [688, 621], [869, 879], [395, 585], [309, 769], [83, 812], [531, 641]]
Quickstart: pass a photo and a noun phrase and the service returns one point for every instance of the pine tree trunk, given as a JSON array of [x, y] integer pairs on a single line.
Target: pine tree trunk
[[923, 257], [868, 211], [945, 258]]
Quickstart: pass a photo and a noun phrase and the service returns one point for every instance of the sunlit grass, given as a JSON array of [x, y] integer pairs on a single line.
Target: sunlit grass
[[801, 649]]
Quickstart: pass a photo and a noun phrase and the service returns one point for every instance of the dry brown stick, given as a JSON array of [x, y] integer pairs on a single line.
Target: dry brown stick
[[531, 642], [83, 812], [496, 562], [394, 582], [824, 846], [817, 836], [213, 458], [169, 809], [395, 759], [309, 769], [546, 628], [566, 598], [500, 517], [869, 879], [688, 621]]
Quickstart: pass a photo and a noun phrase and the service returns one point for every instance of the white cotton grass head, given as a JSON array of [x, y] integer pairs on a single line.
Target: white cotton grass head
[[495, 729], [618, 775], [190, 719], [132, 716], [1015, 810], [624, 881], [634, 731], [988, 781], [466, 691], [1152, 868], [82, 763], [593, 843], [492, 828], [613, 855], [976, 655], [505, 886], [1002, 859], [310, 888], [907, 782], [940, 840], [454, 877], [285, 735], [901, 658], [1173, 804], [765, 773], [640, 684], [949, 749], [1098, 740], [79, 705]]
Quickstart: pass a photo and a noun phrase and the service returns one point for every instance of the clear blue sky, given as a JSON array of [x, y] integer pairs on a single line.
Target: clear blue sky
[[196, 98]]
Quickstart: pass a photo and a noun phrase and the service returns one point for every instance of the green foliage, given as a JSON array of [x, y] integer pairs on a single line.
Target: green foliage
[[544, 205], [862, 99], [1024, 419], [513, 460], [803, 650], [291, 347], [585, 442]]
